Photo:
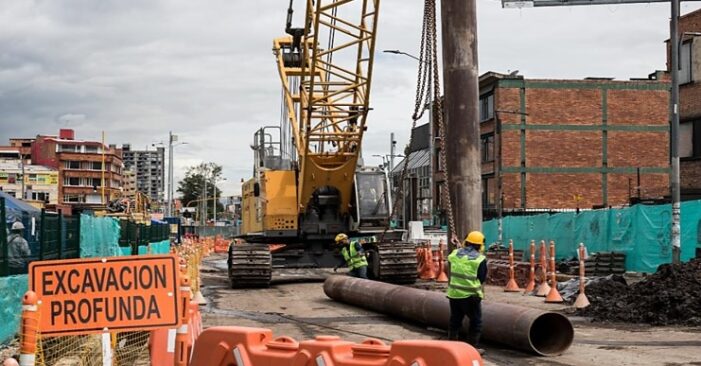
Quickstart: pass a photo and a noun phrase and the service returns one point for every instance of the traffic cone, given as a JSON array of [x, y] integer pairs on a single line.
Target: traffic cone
[[582, 300], [554, 294], [531, 275], [442, 277], [543, 288], [511, 286], [427, 271]]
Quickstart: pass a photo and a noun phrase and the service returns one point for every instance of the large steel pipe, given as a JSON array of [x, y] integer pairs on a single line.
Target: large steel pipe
[[541, 332]]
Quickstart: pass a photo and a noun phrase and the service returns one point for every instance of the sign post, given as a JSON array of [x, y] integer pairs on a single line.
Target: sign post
[[97, 295]]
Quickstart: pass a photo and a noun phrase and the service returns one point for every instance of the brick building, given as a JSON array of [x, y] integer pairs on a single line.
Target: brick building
[[561, 144], [80, 168], [690, 105]]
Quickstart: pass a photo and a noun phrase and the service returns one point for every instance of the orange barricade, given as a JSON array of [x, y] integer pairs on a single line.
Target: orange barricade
[[251, 347], [162, 341], [221, 245]]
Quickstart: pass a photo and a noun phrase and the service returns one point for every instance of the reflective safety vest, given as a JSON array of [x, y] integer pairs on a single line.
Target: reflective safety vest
[[353, 259], [463, 276]]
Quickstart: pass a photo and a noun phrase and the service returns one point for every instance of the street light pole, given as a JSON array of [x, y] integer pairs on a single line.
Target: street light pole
[[169, 209], [431, 130], [215, 198]]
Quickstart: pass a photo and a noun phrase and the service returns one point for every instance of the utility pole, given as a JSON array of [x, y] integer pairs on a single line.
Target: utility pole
[[204, 198], [169, 206], [21, 164], [674, 146], [461, 79], [392, 148]]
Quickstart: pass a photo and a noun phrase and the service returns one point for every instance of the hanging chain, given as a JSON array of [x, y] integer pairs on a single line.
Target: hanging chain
[[438, 114], [428, 73]]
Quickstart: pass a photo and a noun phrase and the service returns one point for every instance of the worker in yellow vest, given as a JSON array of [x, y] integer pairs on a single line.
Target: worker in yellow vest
[[353, 255], [467, 268]]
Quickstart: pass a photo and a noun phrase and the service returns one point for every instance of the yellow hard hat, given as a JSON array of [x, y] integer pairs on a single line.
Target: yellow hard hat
[[475, 238], [341, 237]]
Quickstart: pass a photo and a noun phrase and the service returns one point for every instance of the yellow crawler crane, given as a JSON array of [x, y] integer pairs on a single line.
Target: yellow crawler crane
[[307, 183]]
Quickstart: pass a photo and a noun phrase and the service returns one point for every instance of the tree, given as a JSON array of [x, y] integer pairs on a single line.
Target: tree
[[191, 187]]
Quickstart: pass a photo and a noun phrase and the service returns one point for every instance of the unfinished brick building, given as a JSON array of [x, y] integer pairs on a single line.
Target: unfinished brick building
[[564, 144], [690, 104]]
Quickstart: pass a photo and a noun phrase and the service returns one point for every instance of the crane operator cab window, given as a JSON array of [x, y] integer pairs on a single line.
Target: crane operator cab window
[[372, 195]]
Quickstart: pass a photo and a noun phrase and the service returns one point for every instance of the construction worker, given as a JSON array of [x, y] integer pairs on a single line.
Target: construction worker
[[467, 270], [17, 250], [353, 255]]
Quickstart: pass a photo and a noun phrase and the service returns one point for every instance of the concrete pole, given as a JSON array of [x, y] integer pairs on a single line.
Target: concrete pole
[[674, 146], [461, 79]]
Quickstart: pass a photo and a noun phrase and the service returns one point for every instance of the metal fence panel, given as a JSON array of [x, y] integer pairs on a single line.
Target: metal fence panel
[[4, 264], [50, 236]]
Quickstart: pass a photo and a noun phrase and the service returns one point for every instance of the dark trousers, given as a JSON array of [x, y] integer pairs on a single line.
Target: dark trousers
[[470, 307], [360, 272]]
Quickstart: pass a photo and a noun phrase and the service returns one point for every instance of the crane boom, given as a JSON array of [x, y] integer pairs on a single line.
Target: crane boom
[[327, 114]]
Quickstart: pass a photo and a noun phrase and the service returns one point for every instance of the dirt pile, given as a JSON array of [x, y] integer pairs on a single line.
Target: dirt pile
[[672, 295]]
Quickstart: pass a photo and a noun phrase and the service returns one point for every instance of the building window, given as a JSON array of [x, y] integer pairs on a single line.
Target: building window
[[488, 192], [71, 181], [685, 63], [486, 107], [73, 198], [40, 196], [96, 165], [91, 149], [68, 148], [71, 164], [487, 148], [690, 139]]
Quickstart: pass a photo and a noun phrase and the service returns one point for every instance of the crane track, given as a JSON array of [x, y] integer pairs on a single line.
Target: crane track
[[393, 262], [250, 265]]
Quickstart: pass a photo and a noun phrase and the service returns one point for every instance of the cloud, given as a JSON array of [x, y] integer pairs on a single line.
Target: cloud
[[204, 70]]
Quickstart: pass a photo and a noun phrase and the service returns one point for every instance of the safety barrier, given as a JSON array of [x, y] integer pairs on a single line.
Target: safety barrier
[[252, 347], [431, 263]]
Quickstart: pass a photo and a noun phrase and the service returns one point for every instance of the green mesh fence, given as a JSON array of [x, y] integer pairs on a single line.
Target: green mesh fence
[[13, 289], [99, 237], [641, 232]]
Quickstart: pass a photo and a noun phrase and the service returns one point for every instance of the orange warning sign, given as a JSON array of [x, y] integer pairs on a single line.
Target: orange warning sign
[[80, 296]]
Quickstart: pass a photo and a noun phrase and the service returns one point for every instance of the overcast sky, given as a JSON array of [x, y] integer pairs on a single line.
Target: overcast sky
[[204, 69]]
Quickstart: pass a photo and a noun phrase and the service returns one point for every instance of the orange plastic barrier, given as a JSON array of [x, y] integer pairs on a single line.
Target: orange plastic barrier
[[425, 261], [240, 346], [162, 341], [221, 245]]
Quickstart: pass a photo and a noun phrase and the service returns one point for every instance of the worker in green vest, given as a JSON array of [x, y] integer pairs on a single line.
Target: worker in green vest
[[353, 255], [467, 269]]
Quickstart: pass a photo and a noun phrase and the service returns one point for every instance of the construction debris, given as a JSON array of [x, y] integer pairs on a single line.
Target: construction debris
[[672, 295]]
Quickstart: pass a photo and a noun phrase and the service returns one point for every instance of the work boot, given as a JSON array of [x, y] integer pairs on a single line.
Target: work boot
[[453, 335], [474, 339]]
